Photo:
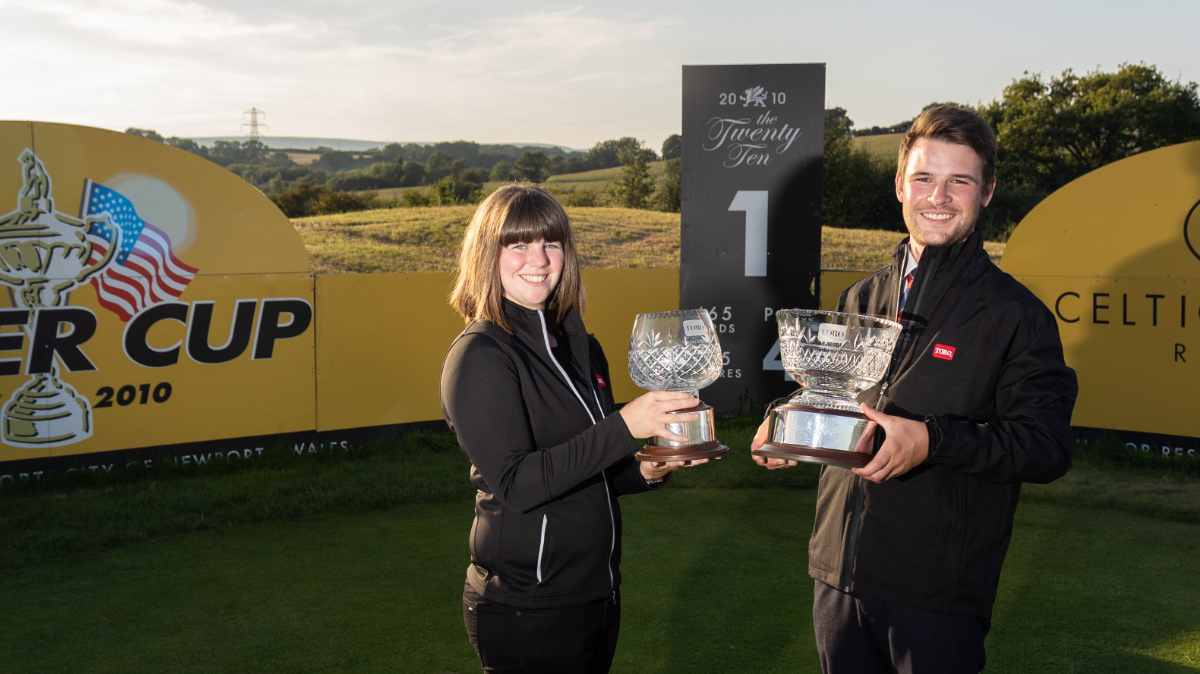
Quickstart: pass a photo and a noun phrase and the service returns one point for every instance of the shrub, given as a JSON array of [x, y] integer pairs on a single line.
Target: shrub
[[340, 201], [582, 198], [672, 147], [1009, 204], [450, 191], [300, 200], [633, 187], [415, 198], [500, 172], [531, 166], [859, 188], [669, 195]]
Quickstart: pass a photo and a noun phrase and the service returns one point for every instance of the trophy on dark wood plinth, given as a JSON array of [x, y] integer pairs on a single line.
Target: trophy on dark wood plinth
[[678, 351], [834, 357]]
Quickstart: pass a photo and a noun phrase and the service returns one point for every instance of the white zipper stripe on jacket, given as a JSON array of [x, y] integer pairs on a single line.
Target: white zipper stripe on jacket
[[612, 546], [546, 339], [541, 548], [598, 405], [612, 581]]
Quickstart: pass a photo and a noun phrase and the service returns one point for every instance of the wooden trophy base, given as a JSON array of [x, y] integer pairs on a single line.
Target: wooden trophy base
[[704, 450], [829, 457]]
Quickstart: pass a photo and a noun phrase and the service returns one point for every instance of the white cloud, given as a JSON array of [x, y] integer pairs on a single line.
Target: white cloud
[[420, 70], [162, 23], [168, 63]]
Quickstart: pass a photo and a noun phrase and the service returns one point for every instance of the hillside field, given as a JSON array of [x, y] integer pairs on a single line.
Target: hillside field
[[885, 146], [426, 239]]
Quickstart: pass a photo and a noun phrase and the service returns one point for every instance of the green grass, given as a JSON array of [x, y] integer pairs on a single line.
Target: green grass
[[714, 582], [88, 511], [385, 240], [398, 192], [857, 249], [367, 592], [352, 561], [1097, 591], [395, 192], [1107, 475], [885, 146], [595, 180], [427, 239], [561, 186], [870, 249]]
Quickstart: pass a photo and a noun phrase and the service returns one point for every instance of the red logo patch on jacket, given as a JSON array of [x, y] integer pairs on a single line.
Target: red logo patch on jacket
[[944, 352], [600, 380]]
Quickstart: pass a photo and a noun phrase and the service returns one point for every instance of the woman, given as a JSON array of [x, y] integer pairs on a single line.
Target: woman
[[526, 390]]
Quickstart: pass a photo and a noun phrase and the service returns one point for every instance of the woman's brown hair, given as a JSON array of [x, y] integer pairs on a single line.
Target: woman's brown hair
[[513, 214]]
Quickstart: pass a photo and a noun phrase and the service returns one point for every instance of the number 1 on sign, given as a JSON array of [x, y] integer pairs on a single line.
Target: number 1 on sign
[[754, 204]]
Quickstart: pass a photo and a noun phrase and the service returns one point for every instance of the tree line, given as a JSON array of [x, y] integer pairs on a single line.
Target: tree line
[[1049, 132], [454, 171]]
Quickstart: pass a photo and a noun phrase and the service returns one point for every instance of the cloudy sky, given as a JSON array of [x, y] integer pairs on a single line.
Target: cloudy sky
[[569, 74]]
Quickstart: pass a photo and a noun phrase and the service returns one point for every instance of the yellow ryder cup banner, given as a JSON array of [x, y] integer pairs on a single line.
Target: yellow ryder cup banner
[[153, 299], [1116, 256]]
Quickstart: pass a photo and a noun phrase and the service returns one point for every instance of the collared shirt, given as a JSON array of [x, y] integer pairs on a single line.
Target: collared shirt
[[910, 268]]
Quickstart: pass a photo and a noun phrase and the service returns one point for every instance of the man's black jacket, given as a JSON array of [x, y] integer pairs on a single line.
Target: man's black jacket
[[547, 530], [980, 361]]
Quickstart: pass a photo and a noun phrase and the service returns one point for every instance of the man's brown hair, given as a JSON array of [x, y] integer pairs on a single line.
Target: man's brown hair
[[513, 214], [953, 124]]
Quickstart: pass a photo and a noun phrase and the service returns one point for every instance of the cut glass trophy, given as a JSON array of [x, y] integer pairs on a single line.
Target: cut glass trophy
[[678, 351], [834, 357]]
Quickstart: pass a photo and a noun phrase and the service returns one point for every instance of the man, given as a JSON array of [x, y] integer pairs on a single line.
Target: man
[[906, 551]]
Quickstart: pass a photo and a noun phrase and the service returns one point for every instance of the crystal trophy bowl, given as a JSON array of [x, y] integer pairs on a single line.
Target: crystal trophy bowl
[[678, 351], [834, 357]]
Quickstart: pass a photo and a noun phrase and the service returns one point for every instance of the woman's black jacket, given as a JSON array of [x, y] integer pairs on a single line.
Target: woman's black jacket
[[548, 459]]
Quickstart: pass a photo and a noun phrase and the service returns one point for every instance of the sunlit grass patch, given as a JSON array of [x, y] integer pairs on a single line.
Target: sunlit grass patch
[[1182, 647], [626, 238], [426, 239], [385, 240], [884, 146], [870, 249]]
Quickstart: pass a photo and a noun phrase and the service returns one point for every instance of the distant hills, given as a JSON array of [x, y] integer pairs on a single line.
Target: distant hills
[[287, 143]]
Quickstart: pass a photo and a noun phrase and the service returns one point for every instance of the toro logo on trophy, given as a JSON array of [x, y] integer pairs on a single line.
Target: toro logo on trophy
[[44, 255]]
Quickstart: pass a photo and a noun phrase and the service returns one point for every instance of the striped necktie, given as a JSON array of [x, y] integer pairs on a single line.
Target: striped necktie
[[908, 279]]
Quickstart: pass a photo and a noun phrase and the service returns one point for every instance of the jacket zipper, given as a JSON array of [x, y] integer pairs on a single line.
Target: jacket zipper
[[860, 497], [612, 527], [612, 520], [549, 352], [542, 547], [859, 491], [612, 546]]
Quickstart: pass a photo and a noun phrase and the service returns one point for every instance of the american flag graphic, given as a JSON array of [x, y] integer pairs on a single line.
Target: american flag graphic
[[144, 271]]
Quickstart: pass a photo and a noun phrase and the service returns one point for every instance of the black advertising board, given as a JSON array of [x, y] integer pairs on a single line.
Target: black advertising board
[[753, 144]]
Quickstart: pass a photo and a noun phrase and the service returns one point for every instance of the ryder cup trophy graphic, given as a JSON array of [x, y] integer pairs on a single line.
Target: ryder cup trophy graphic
[[44, 254], [678, 351], [834, 357]]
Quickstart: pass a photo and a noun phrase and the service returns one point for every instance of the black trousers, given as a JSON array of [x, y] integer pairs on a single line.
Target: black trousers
[[573, 640], [857, 634]]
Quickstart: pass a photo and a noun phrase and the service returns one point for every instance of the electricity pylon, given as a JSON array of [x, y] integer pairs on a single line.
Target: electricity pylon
[[254, 124]]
